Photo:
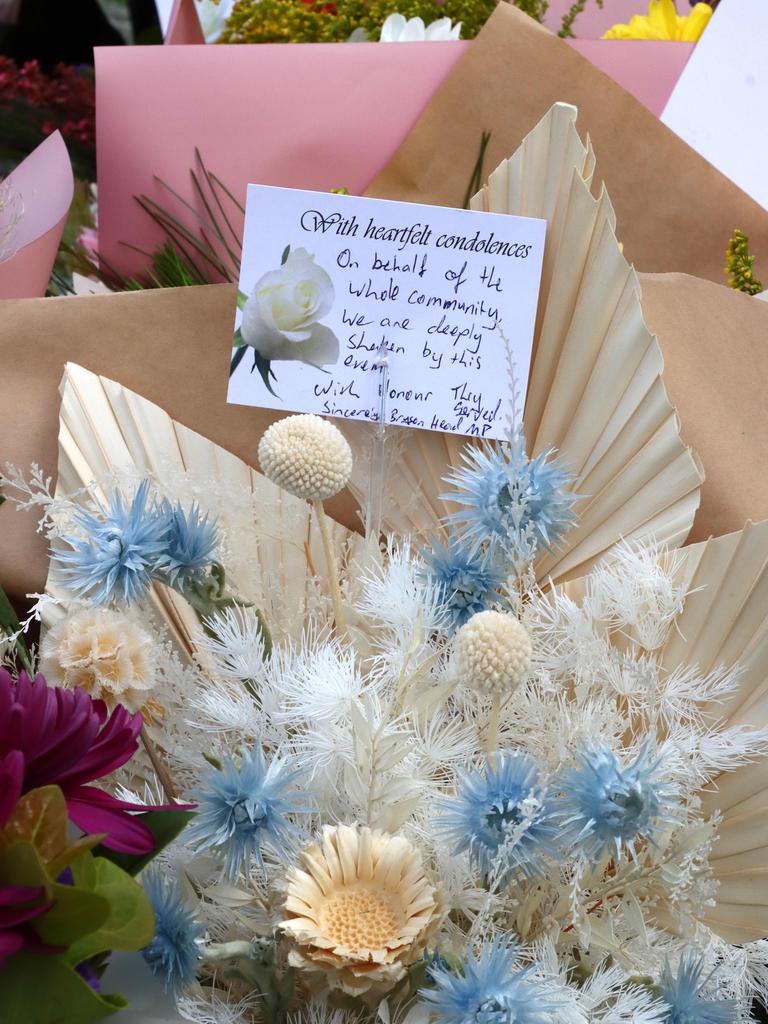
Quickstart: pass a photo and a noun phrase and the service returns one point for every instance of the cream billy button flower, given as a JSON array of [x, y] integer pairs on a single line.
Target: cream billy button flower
[[306, 456], [492, 653], [104, 653], [359, 910]]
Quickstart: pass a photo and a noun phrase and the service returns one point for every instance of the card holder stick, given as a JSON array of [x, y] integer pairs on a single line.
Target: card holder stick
[[378, 451]]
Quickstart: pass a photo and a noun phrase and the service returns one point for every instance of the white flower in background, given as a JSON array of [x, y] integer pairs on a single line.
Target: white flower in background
[[280, 317], [103, 652], [213, 17], [397, 30]]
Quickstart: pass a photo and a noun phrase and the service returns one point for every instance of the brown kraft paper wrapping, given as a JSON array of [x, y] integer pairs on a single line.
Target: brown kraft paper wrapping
[[675, 212], [172, 346]]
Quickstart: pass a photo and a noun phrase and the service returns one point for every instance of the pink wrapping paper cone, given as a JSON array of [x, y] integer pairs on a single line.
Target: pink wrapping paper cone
[[317, 116], [184, 24], [45, 182], [647, 69], [338, 116]]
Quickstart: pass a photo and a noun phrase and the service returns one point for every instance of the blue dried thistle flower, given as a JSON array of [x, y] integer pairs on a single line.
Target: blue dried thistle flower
[[191, 541], [243, 809], [604, 807], [501, 817], [173, 953], [122, 552], [510, 500], [129, 543], [682, 992], [467, 581], [492, 988]]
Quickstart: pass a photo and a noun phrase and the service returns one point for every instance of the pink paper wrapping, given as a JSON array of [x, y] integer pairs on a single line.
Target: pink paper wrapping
[[184, 24], [316, 116], [646, 68], [46, 184]]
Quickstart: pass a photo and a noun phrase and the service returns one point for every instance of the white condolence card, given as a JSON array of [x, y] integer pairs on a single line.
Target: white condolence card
[[332, 287]]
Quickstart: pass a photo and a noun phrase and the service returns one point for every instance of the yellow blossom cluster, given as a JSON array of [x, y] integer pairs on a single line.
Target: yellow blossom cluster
[[663, 22]]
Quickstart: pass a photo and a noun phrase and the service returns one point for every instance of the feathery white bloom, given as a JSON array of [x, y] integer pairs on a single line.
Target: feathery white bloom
[[234, 643], [442, 741], [216, 1010], [321, 687], [226, 707], [317, 1011], [400, 594], [635, 591]]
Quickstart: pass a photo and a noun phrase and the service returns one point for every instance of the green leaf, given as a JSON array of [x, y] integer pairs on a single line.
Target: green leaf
[[40, 818], [20, 864], [84, 872], [264, 366], [237, 358], [242, 298], [237, 339], [286, 254], [164, 826], [130, 924], [46, 990], [74, 913]]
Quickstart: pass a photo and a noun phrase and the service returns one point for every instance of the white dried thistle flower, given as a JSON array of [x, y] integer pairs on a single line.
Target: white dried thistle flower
[[102, 651], [492, 653], [306, 456], [359, 910]]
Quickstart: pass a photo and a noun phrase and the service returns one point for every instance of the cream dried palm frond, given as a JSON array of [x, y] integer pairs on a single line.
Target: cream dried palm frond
[[359, 910], [595, 391], [720, 636]]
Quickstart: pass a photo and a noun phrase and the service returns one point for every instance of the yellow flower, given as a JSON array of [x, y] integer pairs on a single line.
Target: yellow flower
[[360, 910], [663, 22]]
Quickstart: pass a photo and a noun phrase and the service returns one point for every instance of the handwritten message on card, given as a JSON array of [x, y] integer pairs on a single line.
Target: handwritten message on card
[[333, 287]]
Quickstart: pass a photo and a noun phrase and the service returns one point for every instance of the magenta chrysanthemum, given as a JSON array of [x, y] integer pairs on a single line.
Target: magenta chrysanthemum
[[67, 739]]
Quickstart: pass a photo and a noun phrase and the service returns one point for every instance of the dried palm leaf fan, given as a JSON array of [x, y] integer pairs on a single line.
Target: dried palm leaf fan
[[724, 622], [273, 542], [595, 392]]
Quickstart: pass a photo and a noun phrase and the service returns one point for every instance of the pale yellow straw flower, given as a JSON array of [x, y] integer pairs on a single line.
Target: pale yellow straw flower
[[359, 909]]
